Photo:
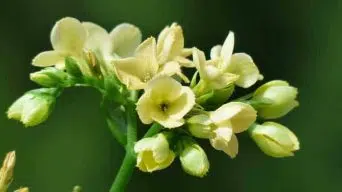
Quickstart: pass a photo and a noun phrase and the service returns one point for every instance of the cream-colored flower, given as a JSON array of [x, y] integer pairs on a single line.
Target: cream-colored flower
[[135, 72], [153, 153], [125, 38], [68, 37], [165, 101], [275, 139], [239, 63], [194, 160], [170, 46], [212, 74], [230, 118]]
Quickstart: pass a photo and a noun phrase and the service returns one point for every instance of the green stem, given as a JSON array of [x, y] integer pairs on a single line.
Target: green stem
[[117, 134], [129, 161], [154, 129]]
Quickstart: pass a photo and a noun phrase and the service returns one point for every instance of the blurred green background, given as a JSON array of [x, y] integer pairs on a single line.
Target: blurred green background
[[299, 41]]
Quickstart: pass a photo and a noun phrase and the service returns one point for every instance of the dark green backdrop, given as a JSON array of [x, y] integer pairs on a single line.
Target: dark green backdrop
[[300, 41]]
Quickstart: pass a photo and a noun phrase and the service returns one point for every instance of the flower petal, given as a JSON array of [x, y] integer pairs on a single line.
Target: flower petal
[[222, 136], [164, 88], [227, 50], [240, 115], [200, 63], [125, 39], [232, 148], [48, 58], [243, 65], [143, 109], [97, 38], [215, 52], [170, 43], [182, 105], [68, 35]]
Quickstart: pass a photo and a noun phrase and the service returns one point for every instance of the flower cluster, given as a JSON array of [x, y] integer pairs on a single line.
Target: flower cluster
[[149, 75]]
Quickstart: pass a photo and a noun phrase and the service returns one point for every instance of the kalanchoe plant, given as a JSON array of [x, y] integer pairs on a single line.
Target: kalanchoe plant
[[142, 80]]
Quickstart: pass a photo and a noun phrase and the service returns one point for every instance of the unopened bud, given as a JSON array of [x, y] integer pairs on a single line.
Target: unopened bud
[[193, 159], [200, 126], [52, 77], [275, 139], [33, 107], [25, 189], [281, 97]]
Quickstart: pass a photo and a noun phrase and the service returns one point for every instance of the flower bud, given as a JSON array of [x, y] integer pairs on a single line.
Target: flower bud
[[282, 99], [6, 171], [153, 153], [200, 126], [275, 139], [193, 159], [52, 77], [33, 107]]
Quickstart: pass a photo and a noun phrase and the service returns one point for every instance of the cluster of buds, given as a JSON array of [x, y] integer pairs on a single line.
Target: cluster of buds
[[120, 64]]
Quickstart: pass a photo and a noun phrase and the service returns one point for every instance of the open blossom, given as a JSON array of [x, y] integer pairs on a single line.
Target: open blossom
[[153, 153], [165, 101], [221, 125], [239, 63], [170, 46], [212, 73]]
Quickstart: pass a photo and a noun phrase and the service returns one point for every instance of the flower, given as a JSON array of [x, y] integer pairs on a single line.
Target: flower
[[135, 72], [239, 63], [230, 118], [153, 153], [33, 107], [275, 139], [170, 46], [68, 37], [194, 160], [282, 99], [165, 101], [212, 74]]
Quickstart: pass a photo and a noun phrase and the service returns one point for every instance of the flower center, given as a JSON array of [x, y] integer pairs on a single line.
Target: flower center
[[164, 106]]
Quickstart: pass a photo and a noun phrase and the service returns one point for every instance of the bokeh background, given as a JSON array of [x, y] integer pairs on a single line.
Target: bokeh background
[[299, 41]]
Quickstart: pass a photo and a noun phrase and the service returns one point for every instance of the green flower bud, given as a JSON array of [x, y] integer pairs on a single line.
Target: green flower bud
[[200, 126], [52, 77], [275, 139], [282, 98], [193, 159], [33, 107]]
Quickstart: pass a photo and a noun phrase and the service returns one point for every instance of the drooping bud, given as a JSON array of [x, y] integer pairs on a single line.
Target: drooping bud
[[275, 139], [193, 159], [282, 99], [153, 153], [33, 107]]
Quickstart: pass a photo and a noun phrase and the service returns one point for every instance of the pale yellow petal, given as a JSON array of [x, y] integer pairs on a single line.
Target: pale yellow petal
[[186, 52], [132, 72], [125, 39], [221, 137], [243, 65], [48, 58], [240, 115], [180, 107], [172, 68], [227, 50], [170, 43], [164, 89], [68, 35], [184, 62], [143, 109], [200, 63], [232, 148], [97, 38], [223, 80], [215, 52]]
